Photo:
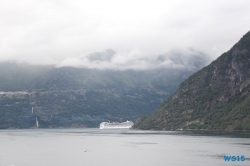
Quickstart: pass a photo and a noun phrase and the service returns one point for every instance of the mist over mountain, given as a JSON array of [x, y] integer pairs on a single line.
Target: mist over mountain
[[189, 59], [79, 96], [20, 76]]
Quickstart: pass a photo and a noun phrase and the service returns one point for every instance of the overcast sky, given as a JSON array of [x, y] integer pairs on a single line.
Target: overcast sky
[[57, 31]]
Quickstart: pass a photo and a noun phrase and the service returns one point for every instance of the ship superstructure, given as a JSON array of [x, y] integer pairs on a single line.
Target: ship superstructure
[[116, 125]]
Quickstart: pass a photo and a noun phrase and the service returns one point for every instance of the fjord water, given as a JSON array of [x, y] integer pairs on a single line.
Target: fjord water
[[95, 147]]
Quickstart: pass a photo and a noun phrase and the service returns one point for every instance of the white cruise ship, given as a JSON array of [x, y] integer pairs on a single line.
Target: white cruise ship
[[116, 125]]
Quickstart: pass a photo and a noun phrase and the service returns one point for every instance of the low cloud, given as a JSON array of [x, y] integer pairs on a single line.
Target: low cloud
[[189, 59]]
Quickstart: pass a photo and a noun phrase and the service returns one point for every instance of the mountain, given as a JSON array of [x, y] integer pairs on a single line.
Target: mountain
[[80, 96], [217, 97], [105, 55], [83, 97]]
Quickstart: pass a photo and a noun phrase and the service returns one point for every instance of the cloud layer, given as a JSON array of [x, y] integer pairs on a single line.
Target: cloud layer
[[59, 32], [109, 59]]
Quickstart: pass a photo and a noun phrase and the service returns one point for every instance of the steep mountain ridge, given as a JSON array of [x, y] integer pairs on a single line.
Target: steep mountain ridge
[[215, 98]]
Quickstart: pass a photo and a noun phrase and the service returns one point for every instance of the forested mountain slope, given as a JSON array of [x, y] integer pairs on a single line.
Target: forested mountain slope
[[80, 97]]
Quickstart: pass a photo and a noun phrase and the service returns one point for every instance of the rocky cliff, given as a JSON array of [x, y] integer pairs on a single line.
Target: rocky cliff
[[214, 98]]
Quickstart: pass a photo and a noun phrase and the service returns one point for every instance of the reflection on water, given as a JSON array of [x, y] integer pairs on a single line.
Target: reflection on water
[[45, 147]]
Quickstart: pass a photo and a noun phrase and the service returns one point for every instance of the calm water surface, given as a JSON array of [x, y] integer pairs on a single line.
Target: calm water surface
[[94, 147]]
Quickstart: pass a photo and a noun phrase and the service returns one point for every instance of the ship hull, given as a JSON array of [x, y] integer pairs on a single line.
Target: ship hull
[[115, 127]]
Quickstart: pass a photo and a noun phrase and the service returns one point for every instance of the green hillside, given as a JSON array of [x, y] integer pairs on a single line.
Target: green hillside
[[87, 96]]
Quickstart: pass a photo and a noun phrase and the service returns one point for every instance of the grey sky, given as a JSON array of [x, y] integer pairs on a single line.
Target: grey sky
[[64, 32]]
